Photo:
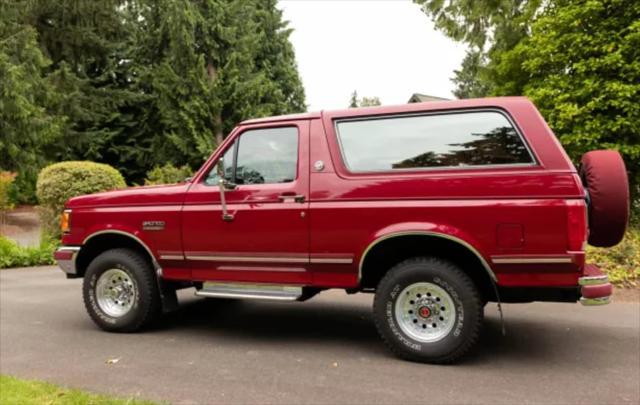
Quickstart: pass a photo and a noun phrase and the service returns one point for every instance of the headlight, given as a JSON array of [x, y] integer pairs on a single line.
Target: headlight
[[65, 221]]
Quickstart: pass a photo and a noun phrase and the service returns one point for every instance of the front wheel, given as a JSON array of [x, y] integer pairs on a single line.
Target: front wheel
[[120, 291], [428, 310]]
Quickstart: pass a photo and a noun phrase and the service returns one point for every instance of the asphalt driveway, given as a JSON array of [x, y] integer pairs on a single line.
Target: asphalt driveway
[[323, 351]]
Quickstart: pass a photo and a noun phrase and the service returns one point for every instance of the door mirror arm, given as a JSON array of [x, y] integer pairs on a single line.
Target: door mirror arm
[[224, 184]]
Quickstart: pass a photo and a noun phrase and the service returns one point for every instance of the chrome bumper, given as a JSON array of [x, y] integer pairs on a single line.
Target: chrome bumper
[[66, 258], [595, 287]]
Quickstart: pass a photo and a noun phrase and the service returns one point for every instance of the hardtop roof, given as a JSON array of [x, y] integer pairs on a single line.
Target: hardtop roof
[[498, 102]]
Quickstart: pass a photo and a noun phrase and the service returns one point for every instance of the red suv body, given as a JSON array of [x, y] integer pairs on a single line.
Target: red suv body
[[288, 206]]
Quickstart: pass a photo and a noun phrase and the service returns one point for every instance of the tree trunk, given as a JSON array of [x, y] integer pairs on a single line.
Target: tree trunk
[[217, 119]]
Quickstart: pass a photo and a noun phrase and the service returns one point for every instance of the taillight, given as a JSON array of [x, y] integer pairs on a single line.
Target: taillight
[[577, 227]]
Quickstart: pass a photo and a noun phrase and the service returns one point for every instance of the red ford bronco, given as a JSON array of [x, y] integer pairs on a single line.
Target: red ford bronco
[[437, 208]]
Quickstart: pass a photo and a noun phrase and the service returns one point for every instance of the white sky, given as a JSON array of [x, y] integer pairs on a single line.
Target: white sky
[[383, 48]]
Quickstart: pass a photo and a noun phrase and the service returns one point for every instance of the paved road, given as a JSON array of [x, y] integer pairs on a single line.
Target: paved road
[[323, 351]]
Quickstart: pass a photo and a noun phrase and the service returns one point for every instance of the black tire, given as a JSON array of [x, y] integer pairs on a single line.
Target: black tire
[[463, 293], [146, 306]]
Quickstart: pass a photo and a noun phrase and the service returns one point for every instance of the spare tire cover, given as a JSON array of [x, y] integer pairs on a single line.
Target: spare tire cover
[[605, 177]]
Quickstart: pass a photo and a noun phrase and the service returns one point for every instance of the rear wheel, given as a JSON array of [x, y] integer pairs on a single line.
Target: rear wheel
[[428, 310], [120, 291]]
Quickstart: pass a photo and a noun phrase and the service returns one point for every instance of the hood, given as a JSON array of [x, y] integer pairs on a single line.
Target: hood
[[133, 196]]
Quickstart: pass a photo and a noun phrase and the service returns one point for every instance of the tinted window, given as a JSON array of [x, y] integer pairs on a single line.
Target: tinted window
[[461, 139]]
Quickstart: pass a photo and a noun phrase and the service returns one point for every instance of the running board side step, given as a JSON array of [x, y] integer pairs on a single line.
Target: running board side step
[[273, 292]]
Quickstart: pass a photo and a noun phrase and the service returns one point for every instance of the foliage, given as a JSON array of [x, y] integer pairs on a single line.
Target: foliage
[[209, 65], [370, 102], [6, 179], [15, 391], [136, 84], [167, 174], [577, 60], [23, 188], [581, 66], [621, 262], [488, 27], [28, 128], [61, 181], [355, 102], [13, 255]]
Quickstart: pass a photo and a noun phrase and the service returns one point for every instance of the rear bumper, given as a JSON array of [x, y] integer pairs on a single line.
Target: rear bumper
[[594, 286], [66, 258]]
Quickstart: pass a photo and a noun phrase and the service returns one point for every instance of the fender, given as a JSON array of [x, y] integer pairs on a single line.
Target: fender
[[127, 234], [426, 229]]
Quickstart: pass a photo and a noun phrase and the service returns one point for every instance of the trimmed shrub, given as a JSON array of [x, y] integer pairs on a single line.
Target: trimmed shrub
[[61, 181], [167, 174]]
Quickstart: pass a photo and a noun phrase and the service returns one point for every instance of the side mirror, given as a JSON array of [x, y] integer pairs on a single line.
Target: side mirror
[[228, 185]]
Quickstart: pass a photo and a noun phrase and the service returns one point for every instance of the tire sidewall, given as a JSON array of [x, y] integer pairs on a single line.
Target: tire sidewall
[[98, 267], [464, 304]]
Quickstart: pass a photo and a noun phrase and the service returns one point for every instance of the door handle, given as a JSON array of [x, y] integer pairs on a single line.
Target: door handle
[[291, 197]]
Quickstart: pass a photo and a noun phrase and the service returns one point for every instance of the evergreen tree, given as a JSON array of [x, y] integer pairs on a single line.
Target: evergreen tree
[[90, 70], [27, 127], [209, 65], [353, 101], [139, 83]]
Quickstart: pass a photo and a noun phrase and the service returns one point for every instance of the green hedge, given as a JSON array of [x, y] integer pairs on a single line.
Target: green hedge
[[61, 181], [12, 255]]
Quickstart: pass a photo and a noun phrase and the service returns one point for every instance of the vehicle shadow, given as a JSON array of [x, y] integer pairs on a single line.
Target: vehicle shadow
[[343, 325], [269, 321]]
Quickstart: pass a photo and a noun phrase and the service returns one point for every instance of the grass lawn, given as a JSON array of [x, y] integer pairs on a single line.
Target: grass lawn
[[14, 391]]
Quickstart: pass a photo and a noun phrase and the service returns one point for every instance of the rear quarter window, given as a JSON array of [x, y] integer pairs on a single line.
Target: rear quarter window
[[463, 139]]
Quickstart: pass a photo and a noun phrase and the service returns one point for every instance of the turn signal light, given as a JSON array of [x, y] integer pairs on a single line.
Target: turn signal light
[[65, 221]]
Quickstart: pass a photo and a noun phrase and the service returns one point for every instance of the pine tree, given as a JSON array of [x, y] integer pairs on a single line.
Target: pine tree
[[210, 65], [139, 83], [90, 70], [353, 101], [27, 127]]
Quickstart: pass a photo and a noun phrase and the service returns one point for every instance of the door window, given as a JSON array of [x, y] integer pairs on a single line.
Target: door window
[[261, 156]]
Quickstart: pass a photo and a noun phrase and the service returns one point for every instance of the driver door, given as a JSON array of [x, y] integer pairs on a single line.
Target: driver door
[[265, 236]]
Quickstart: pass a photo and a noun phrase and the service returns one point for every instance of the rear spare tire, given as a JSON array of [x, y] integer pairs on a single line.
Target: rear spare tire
[[605, 177]]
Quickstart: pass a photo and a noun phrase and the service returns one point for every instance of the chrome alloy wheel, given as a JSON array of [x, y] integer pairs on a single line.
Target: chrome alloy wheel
[[115, 292], [425, 312]]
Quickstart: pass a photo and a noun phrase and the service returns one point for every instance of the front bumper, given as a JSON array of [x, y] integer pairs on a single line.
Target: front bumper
[[66, 258], [594, 286]]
